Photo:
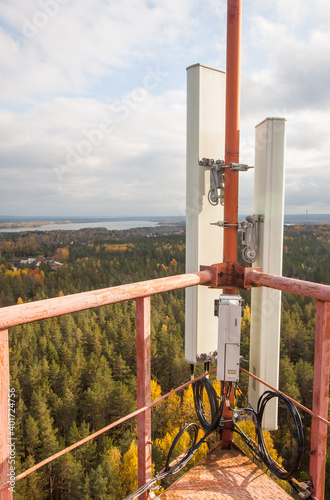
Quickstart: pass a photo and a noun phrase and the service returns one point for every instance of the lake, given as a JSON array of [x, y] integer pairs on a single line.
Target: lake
[[71, 226]]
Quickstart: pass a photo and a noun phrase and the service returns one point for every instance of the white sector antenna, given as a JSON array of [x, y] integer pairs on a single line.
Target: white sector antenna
[[204, 242], [266, 302]]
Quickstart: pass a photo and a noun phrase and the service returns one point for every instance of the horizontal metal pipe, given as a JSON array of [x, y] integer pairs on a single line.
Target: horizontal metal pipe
[[49, 308], [298, 287]]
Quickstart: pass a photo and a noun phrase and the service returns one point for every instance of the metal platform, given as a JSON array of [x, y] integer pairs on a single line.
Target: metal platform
[[225, 475]]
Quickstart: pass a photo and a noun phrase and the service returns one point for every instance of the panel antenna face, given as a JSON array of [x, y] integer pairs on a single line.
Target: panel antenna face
[[266, 302], [204, 242]]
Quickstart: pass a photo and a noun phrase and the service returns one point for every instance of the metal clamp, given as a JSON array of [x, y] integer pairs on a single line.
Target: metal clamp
[[206, 357], [217, 177], [244, 415], [250, 237]]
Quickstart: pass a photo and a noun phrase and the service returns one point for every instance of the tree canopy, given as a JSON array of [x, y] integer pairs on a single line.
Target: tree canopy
[[77, 373]]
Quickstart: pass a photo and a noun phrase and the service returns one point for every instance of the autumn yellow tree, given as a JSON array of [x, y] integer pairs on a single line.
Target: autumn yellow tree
[[62, 254], [170, 416], [113, 458], [129, 471]]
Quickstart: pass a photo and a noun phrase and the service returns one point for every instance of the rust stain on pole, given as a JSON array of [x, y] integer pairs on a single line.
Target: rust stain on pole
[[320, 398], [233, 63], [143, 363], [5, 441]]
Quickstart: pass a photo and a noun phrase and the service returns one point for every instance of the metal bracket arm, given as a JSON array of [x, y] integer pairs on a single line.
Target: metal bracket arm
[[217, 177], [249, 235], [223, 224]]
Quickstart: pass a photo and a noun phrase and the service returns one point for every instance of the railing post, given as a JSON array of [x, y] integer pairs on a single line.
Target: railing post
[[5, 440], [143, 390], [320, 398]]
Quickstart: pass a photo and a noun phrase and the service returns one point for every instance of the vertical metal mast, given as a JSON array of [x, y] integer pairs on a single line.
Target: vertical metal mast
[[234, 24], [233, 63]]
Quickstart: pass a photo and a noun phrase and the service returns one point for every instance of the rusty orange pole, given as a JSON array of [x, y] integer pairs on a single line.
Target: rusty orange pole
[[234, 27], [5, 439], [143, 367], [234, 24], [320, 398]]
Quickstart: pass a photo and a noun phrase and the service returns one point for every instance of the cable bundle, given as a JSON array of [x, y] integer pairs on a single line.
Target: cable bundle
[[273, 466], [209, 425], [212, 422], [215, 410], [173, 469]]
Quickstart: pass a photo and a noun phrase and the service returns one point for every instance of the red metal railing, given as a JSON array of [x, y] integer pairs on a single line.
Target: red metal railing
[[136, 413], [321, 364], [25, 313]]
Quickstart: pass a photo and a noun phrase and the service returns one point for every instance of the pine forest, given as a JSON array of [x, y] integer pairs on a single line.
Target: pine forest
[[75, 374]]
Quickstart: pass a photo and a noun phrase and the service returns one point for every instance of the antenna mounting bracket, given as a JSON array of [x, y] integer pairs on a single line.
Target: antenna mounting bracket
[[250, 237], [228, 274], [217, 177]]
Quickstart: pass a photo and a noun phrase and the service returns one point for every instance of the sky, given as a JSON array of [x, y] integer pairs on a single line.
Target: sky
[[93, 101]]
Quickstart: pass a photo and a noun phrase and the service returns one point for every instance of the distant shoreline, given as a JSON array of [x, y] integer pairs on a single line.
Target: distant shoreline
[[31, 223], [114, 225], [35, 223]]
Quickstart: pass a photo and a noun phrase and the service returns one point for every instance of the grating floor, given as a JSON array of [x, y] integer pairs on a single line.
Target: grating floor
[[225, 475]]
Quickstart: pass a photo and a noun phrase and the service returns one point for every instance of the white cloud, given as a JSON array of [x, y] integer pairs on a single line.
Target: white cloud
[[70, 51], [121, 171], [286, 74], [70, 67]]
